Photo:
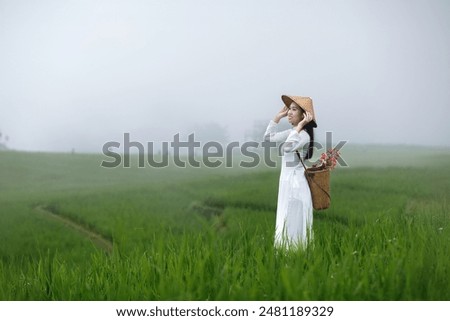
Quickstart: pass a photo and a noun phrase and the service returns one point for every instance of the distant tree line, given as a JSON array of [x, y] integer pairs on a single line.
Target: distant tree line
[[4, 139]]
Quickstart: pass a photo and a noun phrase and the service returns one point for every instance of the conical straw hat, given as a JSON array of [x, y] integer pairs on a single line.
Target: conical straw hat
[[304, 102]]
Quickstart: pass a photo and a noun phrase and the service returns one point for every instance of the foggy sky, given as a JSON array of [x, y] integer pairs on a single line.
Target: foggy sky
[[76, 74]]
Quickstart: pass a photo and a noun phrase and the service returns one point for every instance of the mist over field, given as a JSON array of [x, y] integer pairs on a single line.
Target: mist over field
[[78, 74], [84, 82]]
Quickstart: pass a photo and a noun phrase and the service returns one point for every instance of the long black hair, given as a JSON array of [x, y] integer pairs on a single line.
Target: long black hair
[[310, 130]]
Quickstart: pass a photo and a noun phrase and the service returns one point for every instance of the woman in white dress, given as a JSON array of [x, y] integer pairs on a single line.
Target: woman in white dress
[[294, 207]]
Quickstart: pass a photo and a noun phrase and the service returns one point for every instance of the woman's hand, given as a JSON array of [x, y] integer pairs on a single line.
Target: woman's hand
[[307, 117], [282, 113]]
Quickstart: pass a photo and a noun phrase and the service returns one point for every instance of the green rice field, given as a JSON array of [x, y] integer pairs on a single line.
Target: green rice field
[[72, 230]]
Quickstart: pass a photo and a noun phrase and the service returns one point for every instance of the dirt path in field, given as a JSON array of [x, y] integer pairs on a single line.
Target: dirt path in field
[[96, 238]]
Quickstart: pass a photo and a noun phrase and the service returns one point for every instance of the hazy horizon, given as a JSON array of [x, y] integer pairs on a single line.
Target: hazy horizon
[[76, 75]]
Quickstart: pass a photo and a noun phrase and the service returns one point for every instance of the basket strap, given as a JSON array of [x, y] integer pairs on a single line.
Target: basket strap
[[310, 178]]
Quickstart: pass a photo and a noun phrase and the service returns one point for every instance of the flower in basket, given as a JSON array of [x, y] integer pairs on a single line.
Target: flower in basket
[[328, 159]]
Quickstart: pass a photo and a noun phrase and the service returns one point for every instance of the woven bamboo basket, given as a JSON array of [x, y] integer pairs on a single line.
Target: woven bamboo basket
[[319, 184]]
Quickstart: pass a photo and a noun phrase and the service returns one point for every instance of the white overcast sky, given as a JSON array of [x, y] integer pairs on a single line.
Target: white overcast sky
[[76, 74]]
